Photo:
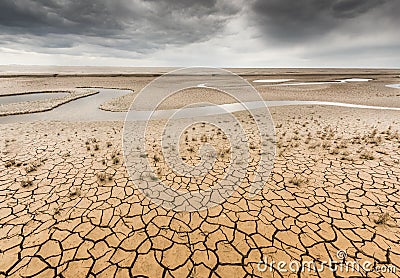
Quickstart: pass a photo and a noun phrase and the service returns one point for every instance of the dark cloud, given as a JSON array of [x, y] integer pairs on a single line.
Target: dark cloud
[[143, 24], [353, 8], [257, 30], [293, 21], [45, 16]]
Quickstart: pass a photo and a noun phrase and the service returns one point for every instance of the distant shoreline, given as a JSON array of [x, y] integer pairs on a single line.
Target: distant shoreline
[[10, 71]]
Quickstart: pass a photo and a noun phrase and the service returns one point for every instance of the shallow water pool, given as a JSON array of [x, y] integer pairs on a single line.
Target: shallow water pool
[[272, 80], [30, 97], [396, 86]]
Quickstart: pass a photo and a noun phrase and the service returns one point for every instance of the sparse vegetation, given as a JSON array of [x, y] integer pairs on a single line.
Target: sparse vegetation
[[297, 181], [10, 163], [74, 193], [101, 176], [156, 158], [115, 157], [383, 219], [57, 210], [32, 166], [116, 160], [367, 155], [318, 177], [334, 151], [326, 145], [204, 138], [26, 182]]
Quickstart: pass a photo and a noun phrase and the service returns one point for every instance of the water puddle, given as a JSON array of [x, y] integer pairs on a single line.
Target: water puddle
[[396, 86], [339, 81], [236, 107], [354, 80], [308, 83], [272, 80], [30, 97]]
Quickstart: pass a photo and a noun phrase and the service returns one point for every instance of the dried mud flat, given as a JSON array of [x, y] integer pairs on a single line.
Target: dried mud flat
[[68, 206]]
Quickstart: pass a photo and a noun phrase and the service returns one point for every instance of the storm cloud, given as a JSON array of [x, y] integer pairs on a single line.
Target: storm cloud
[[211, 32], [287, 20], [145, 23]]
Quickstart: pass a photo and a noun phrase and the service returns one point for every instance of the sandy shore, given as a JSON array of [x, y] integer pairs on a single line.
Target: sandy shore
[[68, 206]]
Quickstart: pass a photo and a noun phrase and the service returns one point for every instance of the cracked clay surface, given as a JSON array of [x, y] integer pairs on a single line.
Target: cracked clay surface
[[68, 207]]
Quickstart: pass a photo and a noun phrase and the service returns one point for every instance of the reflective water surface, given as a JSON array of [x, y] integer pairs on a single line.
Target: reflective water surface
[[272, 80], [396, 86], [30, 97]]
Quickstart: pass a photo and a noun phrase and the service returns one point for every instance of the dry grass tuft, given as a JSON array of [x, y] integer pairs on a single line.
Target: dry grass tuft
[[10, 163], [26, 182], [298, 181], [74, 193], [383, 219], [367, 155]]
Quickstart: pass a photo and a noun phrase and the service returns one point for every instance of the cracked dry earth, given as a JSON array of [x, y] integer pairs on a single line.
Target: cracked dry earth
[[69, 209]]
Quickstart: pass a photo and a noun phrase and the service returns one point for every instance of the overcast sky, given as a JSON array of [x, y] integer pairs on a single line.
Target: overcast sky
[[221, 33]]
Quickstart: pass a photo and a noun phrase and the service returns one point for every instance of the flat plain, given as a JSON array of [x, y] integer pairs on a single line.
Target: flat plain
[[68, 206]]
